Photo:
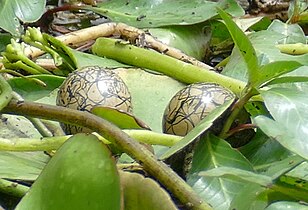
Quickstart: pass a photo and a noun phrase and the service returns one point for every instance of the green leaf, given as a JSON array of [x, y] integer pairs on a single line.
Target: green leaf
[[5, 39], [275, 69], [212, 152], [290, 118], [287, 79], [280, 205], [204, 125], [192, 39], [22, 165], [244, 45], [82, 59], [293, 32], [123, 120], [31, 90], [256, 198], [148, 102], [144, 193], [13, 11], [148, 14], [239, 174], [81, 175]]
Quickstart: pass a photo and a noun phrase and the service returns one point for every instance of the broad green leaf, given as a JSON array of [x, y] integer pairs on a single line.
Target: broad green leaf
[[22, 165], [244, 45], [203, 126], [300, 171], [278, 168], [274, 70], [192, 39], [263, 151], [30, 89], [82, 59], [238, 174], [212, 152], [154, 13], [252, 197], [81, 175], [280, 205], [123, 120], [13, 11], [144, 193], [287, 79], [293, 32], [289, 125]]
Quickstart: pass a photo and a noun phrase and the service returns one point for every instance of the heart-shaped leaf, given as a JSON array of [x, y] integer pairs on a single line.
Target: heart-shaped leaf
[[81, 175]]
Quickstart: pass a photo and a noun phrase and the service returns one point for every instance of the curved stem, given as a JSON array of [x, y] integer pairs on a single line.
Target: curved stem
[[13, 188], [156, 168], [5, 92], [167, 65], [238, 106]]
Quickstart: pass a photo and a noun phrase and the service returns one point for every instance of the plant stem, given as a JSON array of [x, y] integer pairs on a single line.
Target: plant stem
[[13, 188], [51, 143], [5, 92], [167, 65], [238, 106], [156, 168]]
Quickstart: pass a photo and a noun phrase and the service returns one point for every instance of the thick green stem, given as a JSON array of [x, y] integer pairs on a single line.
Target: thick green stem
[[156, 168], [167, 65], [51, 143], [5, 92], [13, 188]]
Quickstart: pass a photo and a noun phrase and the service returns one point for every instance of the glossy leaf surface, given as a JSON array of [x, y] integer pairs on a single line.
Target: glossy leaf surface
[[79, 176]]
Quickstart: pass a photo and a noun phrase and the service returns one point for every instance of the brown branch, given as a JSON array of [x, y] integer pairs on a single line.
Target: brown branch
[[109, 131]]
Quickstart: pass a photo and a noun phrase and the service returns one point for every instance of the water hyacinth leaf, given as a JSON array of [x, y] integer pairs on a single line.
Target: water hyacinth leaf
[[212, 152], [79, 176], [149, 14], [123, 120], [239, 174], [256, 198], [193, 40], [293, 32], [204, 125], [13, 11], [286, 205], [144, 193], [289, 125], [287, 79], [244, 45], [22, 165], [276, 69], [35, 87]]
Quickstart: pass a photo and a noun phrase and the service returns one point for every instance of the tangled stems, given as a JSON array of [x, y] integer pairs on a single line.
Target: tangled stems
[[114, 134]]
